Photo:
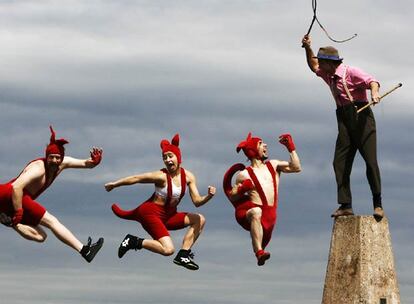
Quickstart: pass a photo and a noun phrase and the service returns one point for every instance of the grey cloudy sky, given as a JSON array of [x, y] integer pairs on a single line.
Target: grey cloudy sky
[[125, 74]]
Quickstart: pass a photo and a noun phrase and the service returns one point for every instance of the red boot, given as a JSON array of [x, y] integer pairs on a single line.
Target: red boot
[[262, 256]]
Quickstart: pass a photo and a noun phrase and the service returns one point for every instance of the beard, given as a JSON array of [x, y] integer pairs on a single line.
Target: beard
[[52, 167]]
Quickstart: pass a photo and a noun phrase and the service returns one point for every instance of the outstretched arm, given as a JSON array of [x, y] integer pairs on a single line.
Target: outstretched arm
[[93, 161], [312, 62], [197, 199], [156, 177]]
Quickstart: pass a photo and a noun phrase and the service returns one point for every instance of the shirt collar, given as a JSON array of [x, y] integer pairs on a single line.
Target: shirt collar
[[339, 71]]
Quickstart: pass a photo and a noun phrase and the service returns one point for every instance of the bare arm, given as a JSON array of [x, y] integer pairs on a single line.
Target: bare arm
[[197, 199], [156, 177], [93, 161], [31, 173], [243, 184], [292, 166], [375, 96], [312, 62]]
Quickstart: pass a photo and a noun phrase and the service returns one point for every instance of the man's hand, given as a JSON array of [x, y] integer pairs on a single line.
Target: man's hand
[[96, 155], [306, 41], [375, 97], [109, 186], [211, 191], [246, 186], [286, 140], [6, 220], [17, 217]]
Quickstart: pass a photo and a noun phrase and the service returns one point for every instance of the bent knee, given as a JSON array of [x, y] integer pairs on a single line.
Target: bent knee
[[196, 219], [255, 213], [201, 219], [167, 251]]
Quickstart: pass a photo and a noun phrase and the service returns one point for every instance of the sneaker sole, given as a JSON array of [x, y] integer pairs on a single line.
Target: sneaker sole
[[185, 266], [98, 247]]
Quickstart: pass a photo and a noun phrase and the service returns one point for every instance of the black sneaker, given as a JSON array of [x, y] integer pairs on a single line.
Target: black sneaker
[[129, 242], [185, 258], [90, 250]]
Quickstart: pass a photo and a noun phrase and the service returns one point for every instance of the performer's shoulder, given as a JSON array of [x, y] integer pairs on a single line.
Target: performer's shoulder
[[37, 164], [188, 174]]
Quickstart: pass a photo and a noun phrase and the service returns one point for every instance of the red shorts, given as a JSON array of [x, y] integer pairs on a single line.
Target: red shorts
[[32, 210], [157, 220], [268, 220]]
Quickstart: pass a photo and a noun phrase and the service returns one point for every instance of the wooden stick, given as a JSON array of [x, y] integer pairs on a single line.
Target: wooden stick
[[381, 97]]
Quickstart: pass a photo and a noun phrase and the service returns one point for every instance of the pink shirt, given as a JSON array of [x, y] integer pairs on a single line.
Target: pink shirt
[[357, 82]]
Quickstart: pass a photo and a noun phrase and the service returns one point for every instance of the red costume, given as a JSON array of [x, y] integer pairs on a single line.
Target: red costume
[[32, 210], [244, 204], [157, 219]]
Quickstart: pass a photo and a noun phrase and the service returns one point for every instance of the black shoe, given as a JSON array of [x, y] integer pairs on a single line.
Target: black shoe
[[129, 242], [185, 258], [378, 213], [342, 212], [90, 250]]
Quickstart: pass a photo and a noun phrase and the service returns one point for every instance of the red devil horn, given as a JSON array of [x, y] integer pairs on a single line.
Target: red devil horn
[[53, 135], [249, 136], [176, 140], [241, 146], [61, 141], [164, 143]]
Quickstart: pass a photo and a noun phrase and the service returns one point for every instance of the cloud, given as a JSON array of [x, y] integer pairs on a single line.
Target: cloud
[[125, 74]]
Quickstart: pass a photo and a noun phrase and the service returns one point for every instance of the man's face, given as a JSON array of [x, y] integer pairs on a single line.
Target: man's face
[[170, 161], [328, 66], [54, 160], [262, 150]]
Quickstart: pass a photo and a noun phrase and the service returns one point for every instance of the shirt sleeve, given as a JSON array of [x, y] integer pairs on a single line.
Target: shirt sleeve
[[361, 79]]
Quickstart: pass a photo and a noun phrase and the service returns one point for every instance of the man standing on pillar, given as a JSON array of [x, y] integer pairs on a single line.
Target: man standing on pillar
[[356, 131], [255, 193]]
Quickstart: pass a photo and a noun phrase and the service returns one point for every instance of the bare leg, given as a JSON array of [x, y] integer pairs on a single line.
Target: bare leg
[[254, 216], [162, 246], [60, 231], [36, 234], [196, 222]]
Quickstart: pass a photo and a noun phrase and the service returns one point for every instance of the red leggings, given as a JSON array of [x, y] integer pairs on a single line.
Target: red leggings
[[32, 210], [268, 219], [155, 219]]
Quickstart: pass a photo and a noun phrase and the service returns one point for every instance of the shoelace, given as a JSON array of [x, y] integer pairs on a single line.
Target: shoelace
[[191, 255]]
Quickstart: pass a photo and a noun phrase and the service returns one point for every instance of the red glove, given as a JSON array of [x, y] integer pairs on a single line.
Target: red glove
[[245, 186], [17, 217], [96, 156], [286, 140]]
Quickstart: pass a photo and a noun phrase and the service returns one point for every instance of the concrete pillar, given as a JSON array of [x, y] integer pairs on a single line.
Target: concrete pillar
[[361, 263]]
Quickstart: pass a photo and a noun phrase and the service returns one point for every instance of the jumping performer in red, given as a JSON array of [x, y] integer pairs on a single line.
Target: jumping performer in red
[[159, 213], [255, 193], [20, 211]]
